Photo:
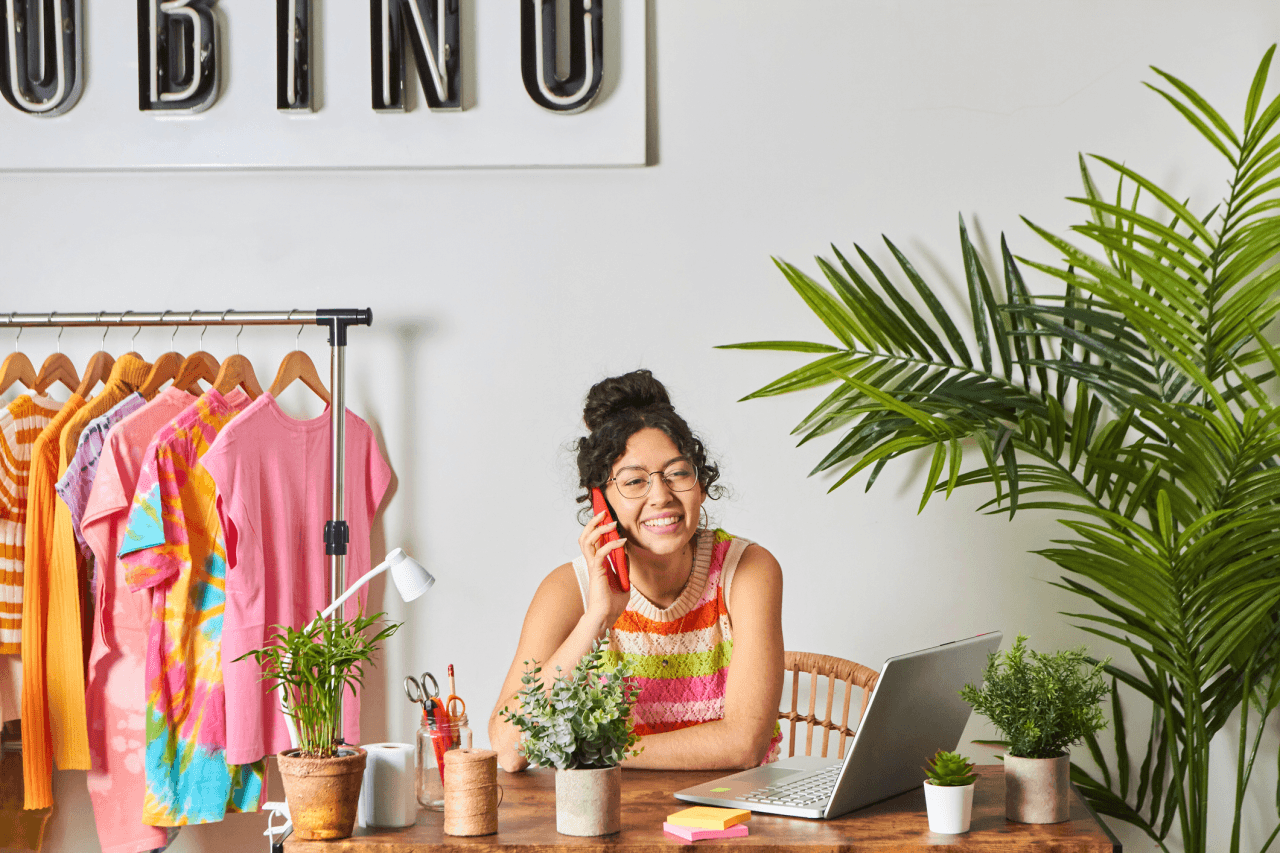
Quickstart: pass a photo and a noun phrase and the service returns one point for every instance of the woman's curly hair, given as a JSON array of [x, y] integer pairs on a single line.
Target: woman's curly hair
[[619, 407]]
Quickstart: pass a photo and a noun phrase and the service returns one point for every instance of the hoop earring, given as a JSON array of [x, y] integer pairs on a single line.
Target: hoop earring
[[704, 518]]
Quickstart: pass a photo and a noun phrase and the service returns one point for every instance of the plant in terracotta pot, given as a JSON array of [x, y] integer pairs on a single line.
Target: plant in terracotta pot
[[313, 668], [948, 792], [580, 724], [1041, 704]]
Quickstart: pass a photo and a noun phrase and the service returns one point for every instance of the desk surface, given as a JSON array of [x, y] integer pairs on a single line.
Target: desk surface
[[526, 824]]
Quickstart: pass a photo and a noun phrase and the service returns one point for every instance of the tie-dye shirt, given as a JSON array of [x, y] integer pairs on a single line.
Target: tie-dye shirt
[[174, 545], [75, 484]]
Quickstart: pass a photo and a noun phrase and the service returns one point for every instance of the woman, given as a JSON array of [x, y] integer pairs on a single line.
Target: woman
[[702, 624]]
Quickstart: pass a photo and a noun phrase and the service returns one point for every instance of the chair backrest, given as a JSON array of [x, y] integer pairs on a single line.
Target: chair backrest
[[835, 671]]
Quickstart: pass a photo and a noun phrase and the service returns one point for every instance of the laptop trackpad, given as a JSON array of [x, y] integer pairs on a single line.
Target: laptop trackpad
[[762, 776]]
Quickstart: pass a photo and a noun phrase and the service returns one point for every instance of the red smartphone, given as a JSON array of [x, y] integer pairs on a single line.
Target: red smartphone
[[616, 560]]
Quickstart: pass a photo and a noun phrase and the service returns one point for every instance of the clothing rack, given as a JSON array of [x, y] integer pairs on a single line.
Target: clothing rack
[[336, 532]]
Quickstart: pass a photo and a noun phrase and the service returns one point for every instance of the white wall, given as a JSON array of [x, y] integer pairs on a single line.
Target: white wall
[[775, 129]]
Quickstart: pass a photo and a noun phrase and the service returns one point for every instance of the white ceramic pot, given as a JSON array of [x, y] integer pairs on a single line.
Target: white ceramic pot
[[589, 802], [1037, 790], [950, 807]]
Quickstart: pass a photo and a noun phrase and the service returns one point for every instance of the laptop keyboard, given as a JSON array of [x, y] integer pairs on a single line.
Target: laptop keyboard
[[813, 788]]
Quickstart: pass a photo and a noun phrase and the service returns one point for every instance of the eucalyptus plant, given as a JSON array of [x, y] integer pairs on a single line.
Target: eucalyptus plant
[[313, 667], [579, 721], [1131, 396]]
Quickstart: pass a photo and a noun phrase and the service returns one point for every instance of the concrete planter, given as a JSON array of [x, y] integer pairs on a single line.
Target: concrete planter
[[323, 793], [589, 802], [1037, 790], [950, 807]]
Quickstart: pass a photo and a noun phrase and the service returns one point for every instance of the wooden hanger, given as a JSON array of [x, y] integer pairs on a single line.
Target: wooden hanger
[[199, 366], [17, 368], [298, 365], [165, 368], [236, 371], [97, 370], [56, 368]]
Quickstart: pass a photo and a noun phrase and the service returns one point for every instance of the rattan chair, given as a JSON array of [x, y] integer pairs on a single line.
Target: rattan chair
[[836, 671]]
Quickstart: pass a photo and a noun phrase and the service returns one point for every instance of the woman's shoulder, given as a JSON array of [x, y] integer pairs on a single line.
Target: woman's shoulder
[[560, 588]]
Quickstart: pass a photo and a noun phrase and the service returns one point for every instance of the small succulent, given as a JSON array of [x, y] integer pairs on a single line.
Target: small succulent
[[578, 721], [950, 770]]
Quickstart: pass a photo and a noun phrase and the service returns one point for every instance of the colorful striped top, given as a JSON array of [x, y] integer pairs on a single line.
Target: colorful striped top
[[679, 655], [20, 424]]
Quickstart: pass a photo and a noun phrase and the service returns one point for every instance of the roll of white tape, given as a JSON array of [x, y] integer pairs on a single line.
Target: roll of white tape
[[387, 797]]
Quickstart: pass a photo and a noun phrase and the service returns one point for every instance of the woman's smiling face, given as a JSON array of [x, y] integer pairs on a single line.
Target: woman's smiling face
[[662, 521]]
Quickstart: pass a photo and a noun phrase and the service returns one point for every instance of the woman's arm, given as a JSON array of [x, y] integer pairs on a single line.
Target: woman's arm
[[754, 686], [557, 632]]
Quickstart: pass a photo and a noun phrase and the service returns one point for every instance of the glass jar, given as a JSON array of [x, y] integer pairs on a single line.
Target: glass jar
[[435, 738]]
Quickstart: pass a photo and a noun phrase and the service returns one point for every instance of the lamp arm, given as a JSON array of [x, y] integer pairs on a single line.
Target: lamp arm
[[352, 590]]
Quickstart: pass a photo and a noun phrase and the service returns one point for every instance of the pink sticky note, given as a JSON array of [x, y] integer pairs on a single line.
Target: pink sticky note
[[689, 833]]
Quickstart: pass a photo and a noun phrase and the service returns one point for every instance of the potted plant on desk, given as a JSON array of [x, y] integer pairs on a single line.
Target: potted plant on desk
[[580, 725], [1041, 704], [948, 792], [313, 668]]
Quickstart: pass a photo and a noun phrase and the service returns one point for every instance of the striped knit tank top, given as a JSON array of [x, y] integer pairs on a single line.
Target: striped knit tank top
[[679, 655]]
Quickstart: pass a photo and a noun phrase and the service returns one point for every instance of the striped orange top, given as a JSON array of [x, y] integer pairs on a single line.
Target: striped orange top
[[20, 424]]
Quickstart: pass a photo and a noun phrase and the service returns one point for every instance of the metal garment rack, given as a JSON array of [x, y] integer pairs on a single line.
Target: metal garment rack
[[336, 531]]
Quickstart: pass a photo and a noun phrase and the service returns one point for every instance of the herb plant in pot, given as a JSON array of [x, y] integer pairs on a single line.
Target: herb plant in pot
[[313, 668], [948, 792], [1041, 704], [580, 724]]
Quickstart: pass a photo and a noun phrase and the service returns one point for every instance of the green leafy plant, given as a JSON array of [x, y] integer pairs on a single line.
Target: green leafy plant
[[1130, 398], [1041, 703], [950, 770], [314, 667], [579, 721]]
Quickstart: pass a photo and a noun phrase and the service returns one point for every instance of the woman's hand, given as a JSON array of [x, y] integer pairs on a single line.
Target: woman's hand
[[605, 601]]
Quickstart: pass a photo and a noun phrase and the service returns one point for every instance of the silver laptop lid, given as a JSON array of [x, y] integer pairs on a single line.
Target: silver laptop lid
[[915, 710]]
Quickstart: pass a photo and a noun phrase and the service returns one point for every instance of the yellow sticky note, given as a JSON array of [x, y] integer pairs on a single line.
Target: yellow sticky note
[[708, 817]]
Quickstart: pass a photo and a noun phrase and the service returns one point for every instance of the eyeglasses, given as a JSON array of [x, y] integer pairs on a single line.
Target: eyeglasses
[[634, 482]]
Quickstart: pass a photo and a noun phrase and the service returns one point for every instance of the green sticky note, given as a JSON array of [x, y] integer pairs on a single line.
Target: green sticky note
[[718, 790]]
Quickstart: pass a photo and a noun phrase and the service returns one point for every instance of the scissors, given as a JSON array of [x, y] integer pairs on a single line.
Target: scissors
[[416, 690], [454, 704]]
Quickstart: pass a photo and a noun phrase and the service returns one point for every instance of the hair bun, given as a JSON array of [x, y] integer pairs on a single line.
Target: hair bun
[[635, 390]]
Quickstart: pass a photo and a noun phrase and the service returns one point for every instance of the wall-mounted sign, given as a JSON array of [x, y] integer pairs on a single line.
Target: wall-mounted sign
[[305, 84], [42, 55]]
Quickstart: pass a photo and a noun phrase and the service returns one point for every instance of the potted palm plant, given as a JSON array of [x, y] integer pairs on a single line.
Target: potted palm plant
[[313, 668], [948, 792], [1131, 395], [580, 724], [1041, 704]]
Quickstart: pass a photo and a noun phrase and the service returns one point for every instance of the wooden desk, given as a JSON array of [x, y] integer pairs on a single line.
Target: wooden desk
[[527, 824]]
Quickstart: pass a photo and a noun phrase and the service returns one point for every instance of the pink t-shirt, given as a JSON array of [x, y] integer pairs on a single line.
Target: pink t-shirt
[[116, 688], [273, 478]]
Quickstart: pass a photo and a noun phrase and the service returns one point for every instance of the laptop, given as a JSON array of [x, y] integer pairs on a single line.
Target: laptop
[[915, 710]]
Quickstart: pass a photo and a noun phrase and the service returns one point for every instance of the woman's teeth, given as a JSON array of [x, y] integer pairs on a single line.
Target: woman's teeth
[[665, 521]]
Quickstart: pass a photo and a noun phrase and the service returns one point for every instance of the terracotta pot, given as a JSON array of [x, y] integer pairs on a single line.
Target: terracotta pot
[[323, 793], [1037, 790], [589, 802], [950, 807]]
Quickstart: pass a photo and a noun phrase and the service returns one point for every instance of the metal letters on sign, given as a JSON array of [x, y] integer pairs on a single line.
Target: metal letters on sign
[[575, 92], [178, 67], [433, 31], [42, 55], [293, 55]]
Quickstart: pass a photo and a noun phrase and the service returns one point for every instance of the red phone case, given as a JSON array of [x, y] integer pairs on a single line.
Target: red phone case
[[617, 560]]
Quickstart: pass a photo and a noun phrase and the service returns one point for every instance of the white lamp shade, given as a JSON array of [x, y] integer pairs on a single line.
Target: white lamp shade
[[411, 579]]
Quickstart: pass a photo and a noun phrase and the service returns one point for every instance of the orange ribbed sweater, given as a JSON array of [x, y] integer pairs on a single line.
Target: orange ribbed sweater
[[42, 499]]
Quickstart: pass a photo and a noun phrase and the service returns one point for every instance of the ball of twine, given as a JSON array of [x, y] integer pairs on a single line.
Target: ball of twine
[[471, 792]]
